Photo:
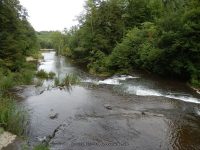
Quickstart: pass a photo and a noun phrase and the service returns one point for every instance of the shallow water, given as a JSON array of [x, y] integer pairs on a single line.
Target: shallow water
[[147, 112]]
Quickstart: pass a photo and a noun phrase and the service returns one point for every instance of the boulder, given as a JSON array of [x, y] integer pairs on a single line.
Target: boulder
[[107, 106], [53, 115]]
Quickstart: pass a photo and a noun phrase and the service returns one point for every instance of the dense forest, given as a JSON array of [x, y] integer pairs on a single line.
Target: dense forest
[[160, 36], [17, 36]]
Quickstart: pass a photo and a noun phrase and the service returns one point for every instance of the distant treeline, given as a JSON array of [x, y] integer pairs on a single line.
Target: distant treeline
[[160, 36]]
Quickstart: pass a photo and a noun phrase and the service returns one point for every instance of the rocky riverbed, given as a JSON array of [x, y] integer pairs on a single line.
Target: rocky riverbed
[[120, 112]]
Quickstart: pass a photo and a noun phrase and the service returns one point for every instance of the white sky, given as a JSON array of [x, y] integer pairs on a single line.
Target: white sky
[[47, 15]]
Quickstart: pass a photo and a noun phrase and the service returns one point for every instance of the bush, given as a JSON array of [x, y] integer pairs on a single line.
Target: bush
[[51, 75], [42, 74], [6, 82], [24, 77]]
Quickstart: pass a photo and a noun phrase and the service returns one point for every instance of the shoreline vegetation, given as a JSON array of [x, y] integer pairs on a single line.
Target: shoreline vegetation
[[113, 37], [161, 37], [19, 52]]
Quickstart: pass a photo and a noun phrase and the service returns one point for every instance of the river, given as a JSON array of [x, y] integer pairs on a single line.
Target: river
[[118, 113]]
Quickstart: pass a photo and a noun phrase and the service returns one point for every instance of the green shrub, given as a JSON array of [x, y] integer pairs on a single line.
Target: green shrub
[[12, 117], [24, 77], [6, 82], [42, 74], [56, 82], [51, 75], [1, 130], [70, 79]]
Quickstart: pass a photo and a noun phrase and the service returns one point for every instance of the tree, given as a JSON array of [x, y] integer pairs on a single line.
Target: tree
[[17, 37]]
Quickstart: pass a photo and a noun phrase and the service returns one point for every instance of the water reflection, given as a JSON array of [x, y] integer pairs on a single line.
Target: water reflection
[[143, 114]]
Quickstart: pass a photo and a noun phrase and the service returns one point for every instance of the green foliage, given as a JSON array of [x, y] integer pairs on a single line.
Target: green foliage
[[25, 77], [17, 41], [51, 75], [17, 37], [56, 82], [44, 38], [154, 35], [53, 40], [1, 130], [42, 74], [45, 75], [70, 79], [6, 82], [58, 40], [41, 147], [12, 118]]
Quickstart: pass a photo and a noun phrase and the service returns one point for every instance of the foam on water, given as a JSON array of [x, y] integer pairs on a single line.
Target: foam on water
[[198, 112], [110, 82], [124, 77], [184, 98], [115, 80], [144, 91], [90, 81]]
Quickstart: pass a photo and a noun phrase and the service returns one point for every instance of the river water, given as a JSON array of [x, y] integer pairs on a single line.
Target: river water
[[146, 112]]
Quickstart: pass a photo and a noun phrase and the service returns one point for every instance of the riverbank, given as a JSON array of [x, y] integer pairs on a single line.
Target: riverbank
[[14, 118], [116, 112], [120, 111]]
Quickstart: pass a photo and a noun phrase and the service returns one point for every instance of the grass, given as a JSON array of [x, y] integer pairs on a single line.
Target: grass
[[70, 79], [13, 79], [44, 75], [23, 77], [10, 79], [1, 130], [37, 147], [41, 147], [6, 82], [51, 75], [12, 117], [27, 77], [56, 82]]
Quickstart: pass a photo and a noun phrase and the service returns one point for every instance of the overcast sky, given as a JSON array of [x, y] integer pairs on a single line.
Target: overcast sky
[[47, 15]]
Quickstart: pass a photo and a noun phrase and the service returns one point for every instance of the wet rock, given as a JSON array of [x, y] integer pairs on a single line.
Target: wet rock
[[107, 106], [53, 115], [143, 113], [61, 88], [41, 139]]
